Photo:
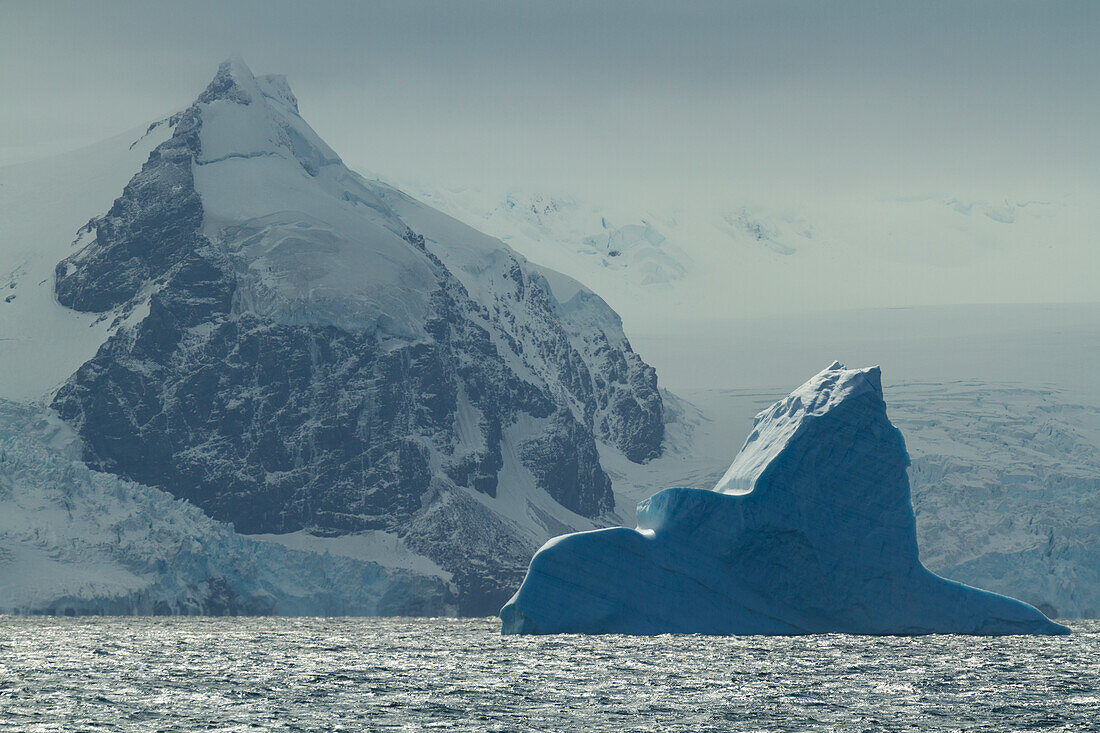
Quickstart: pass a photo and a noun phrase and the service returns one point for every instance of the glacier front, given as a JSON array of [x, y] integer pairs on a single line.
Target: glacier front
[[811, 530], [75, 542]]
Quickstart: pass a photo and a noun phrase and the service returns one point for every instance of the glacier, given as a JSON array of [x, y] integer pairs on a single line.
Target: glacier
[[74, 541], [810, 530]]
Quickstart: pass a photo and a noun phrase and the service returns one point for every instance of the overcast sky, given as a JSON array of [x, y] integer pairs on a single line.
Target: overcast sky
[[915, 97]]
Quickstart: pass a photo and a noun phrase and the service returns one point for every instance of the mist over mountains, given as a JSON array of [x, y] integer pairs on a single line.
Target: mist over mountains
[[338, 367]]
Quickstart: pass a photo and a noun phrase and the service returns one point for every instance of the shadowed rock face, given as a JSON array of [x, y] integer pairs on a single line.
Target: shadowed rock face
[[302, 355], [810, 531], [152, 226]]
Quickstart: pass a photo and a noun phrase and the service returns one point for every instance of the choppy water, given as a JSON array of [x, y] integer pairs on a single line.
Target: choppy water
[[406, 674]]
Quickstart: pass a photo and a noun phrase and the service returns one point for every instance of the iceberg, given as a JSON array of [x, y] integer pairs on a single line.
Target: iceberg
[[810, 530]]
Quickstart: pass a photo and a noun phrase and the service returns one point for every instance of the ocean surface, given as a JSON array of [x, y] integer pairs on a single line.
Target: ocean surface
[[238, 674]]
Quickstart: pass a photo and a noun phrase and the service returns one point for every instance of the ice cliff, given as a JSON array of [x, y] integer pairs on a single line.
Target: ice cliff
[[810, 530]]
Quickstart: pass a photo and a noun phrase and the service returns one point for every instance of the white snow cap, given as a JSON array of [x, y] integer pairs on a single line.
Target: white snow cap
[[313, 243], [246, 116]]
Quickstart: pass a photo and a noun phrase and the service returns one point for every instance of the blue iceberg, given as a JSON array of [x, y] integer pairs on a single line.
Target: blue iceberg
[[811, 530]]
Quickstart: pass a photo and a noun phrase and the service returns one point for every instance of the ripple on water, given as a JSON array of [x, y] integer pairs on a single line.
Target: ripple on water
[[446, 674]]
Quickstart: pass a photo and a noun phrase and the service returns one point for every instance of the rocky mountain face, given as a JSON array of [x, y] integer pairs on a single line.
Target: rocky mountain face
[[302, 349]]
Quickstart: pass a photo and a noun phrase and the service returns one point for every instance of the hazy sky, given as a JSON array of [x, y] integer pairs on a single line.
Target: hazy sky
[[914, 97]]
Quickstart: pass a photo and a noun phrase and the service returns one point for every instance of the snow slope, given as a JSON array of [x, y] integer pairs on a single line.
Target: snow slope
[[721, 256], [75, 541], [810, 530], [43, 207]]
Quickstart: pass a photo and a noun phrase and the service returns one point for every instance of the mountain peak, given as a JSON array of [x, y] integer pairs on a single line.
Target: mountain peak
[[391, 366], [233, 82], [245, 116]]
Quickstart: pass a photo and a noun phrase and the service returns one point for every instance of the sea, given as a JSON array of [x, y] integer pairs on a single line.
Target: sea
[[401, 674]]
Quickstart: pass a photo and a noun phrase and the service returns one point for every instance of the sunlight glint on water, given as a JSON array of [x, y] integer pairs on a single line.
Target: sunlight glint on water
[[407, 674]]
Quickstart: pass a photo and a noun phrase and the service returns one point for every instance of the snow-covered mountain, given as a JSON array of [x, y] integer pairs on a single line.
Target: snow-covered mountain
[[294, 349], [631, 249]]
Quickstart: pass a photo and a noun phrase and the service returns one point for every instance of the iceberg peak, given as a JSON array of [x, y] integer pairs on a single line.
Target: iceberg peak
[[835, 400]]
